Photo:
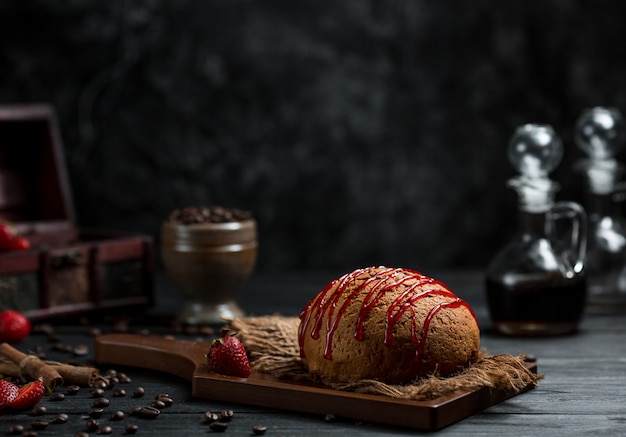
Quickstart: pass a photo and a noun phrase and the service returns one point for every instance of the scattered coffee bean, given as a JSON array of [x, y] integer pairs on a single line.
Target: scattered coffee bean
[[29, 433], [91, 425], [227, 415], [118, 415], [114, 380], [61, 418], [101, 384], [94, 332], [158, 404], [146, 412], [39, 424], [123, 378], [330, 418], [165, 399], [530, 358], [138, 392], [105, 429], [218, 426], [39, 410], [56, 396], [62, 347], [96, 413], [144, 332], [210, 417], [101, 403], [16, 429], [110, 373], [98, 393], [81, 350], [119, 392], [259, 429], [131, 428], [72, 389], [44, 328]]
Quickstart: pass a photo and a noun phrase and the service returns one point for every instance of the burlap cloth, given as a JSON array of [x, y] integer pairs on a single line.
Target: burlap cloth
[[272, 344]]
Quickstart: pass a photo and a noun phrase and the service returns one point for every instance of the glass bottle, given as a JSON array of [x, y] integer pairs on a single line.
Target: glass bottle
[[536, 285], [600, 133]]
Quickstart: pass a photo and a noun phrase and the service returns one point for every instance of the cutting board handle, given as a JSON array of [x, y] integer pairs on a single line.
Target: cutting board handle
[[177, 357]]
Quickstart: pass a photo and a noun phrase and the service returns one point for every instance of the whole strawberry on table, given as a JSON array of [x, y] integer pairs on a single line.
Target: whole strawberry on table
[[227, 356]]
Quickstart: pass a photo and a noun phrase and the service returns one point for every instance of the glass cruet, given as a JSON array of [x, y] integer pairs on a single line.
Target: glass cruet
[[536, 285], [600, 133]]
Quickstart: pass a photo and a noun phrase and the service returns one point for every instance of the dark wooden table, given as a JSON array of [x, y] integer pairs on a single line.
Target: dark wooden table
[[583, 391]]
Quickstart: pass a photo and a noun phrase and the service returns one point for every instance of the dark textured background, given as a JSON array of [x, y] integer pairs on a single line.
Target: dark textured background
[[357, 132]]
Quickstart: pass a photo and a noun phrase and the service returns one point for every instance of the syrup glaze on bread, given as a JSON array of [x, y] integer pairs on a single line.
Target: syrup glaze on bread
[[388, 324]]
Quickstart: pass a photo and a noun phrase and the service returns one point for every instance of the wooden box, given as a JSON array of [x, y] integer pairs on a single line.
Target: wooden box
[[67, 270]]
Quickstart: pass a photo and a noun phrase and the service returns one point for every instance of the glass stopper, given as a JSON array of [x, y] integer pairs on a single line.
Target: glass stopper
[[600, 132], [535, 150]]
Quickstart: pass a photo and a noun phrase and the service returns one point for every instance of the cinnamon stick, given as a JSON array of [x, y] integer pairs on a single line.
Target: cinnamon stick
[[32, 367], [72, 375]]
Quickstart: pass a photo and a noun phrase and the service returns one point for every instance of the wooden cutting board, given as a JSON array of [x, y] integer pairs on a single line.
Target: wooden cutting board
[[187, 359]]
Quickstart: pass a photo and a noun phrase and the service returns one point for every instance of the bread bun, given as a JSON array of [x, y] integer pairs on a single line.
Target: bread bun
[[388, 324]]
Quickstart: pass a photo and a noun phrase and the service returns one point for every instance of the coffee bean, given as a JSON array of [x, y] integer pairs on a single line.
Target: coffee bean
[[101, 384], [98, 393], [119, 392], [56, 396], [218, 426], [138, 392], [131, 428], [39, 424], [101, 403], [39, 410], [330, 418], [158, 404], [72, 389], [81, 350], [226, 415], [530, 358], [81, 434], [105, 430], [91, 425], [210, 417], [16, 429], [165, 399], [29, 433], [146, 412], [259, 429], [123, 378], [94, 332], [96, 413], [61, 418], [118, 415]]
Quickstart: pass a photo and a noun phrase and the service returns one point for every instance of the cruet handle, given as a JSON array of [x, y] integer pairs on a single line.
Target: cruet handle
[[574, 255]]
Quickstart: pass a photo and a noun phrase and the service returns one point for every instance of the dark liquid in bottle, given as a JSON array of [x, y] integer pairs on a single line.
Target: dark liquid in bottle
[[537, 305]]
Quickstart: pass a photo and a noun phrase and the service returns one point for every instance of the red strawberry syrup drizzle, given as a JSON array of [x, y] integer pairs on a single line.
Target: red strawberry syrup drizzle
[[381, 281]]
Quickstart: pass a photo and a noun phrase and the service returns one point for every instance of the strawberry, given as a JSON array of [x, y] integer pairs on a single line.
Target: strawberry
[[227, 356], [28, 395], [9, 240], [14, 326], [8, 392]]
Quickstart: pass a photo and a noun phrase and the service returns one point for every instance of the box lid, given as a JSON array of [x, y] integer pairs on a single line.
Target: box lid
[[34, 189]]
